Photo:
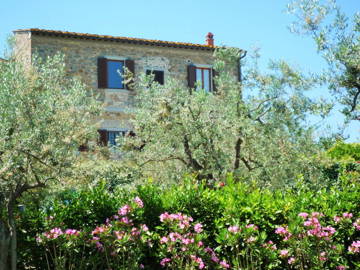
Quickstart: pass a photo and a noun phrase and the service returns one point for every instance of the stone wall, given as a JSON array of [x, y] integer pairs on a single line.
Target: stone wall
[[22, 47], [82, 56]]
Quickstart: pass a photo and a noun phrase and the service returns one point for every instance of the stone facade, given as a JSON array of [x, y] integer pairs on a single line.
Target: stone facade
[[82, 55]]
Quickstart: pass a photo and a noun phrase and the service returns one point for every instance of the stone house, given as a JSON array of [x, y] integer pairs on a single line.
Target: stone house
[[97, 60]]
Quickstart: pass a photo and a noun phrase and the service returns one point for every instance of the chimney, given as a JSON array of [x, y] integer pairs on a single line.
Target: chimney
[[210, 39]]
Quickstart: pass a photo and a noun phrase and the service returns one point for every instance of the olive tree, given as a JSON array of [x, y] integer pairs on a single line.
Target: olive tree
[[253, 129], [337, 39], [44, 117]]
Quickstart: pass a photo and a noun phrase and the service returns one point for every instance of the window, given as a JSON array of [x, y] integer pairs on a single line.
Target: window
[[203, 76], [115, 70], [110, 73], [158, 75], [108, 137]]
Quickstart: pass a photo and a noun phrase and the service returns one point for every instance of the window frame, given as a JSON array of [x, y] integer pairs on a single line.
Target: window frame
[[121, 132], [103, 73], [157, 69], [107, 72], [202, 68]]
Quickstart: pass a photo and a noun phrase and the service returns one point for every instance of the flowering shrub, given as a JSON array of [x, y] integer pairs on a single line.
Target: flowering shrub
[[118, 243], [235, 225], [247, 247], [312, 245], [183, 246]]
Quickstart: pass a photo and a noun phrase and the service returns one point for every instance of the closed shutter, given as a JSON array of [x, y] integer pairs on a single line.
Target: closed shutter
[[214, 74], [102, 73], [83, 147], [130, 65], [191, 76], [103, 137]]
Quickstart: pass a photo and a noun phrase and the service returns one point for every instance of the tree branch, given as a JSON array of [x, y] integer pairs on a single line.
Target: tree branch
[[188, 152]]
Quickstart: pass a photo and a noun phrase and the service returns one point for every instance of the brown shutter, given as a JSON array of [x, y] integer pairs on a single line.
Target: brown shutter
[[103, 137], [130, 65], [191, 75], [214, 74], [83, 147], [102, 73]]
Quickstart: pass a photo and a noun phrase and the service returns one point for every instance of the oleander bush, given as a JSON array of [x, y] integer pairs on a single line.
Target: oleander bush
[[225, 225]]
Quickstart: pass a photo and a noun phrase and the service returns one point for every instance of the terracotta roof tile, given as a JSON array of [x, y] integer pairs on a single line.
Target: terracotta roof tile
[[142, 41]]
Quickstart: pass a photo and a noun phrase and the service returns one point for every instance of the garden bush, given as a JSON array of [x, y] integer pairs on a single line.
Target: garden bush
[[193, 225]]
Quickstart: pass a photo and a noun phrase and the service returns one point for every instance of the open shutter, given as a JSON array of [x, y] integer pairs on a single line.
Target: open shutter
[[130, 65], [191, 75], [214, 74], [103, 137], [102, 73]]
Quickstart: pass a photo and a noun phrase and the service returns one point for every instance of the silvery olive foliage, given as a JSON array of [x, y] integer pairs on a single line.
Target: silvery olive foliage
[[44, 117], [337, 39], [253, 129]]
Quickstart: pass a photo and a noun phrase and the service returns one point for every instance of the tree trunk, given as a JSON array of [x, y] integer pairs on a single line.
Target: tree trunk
[[4, 245], [13, 243], [12, 232]]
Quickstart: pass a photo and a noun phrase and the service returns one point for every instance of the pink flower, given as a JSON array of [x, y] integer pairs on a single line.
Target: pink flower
[[187, 241], [317, 214], [347, 215], [354, 247], [234, 229], [198, 228], [251, 239], [356, 224], [139, 202], [337, 219], [164, 240], [144, 228], [340, 267], [174, 236], [252, 226], [291, 260], [53, 233], [281, 231], [303, 215], [200, 244], [224, 264], [284, 253], [125, 220], [72, 232], [123, 211], [322, 256], [119, 235], [164, 261]]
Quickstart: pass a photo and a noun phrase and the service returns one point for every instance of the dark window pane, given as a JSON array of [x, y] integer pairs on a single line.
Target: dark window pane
[[115, 70], [112, 137], [158, 75]]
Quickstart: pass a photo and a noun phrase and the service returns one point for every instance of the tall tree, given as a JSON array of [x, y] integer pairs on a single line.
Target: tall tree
[[337, 39], [252, 128], [44, 117]]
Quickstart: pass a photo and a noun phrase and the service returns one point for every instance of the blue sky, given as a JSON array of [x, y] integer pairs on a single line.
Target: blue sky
[[238, 23]]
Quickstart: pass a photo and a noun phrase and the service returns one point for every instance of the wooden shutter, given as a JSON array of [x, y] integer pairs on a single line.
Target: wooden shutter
[[83, 148], [102, 73], [214, 74], [130, 65], [191, 75], [103, 137]]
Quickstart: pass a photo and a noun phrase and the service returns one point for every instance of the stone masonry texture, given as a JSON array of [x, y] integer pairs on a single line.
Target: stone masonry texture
[[81, 60]]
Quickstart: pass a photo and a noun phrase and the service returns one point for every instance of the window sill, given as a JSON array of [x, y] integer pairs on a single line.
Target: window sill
[[115, 90]]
